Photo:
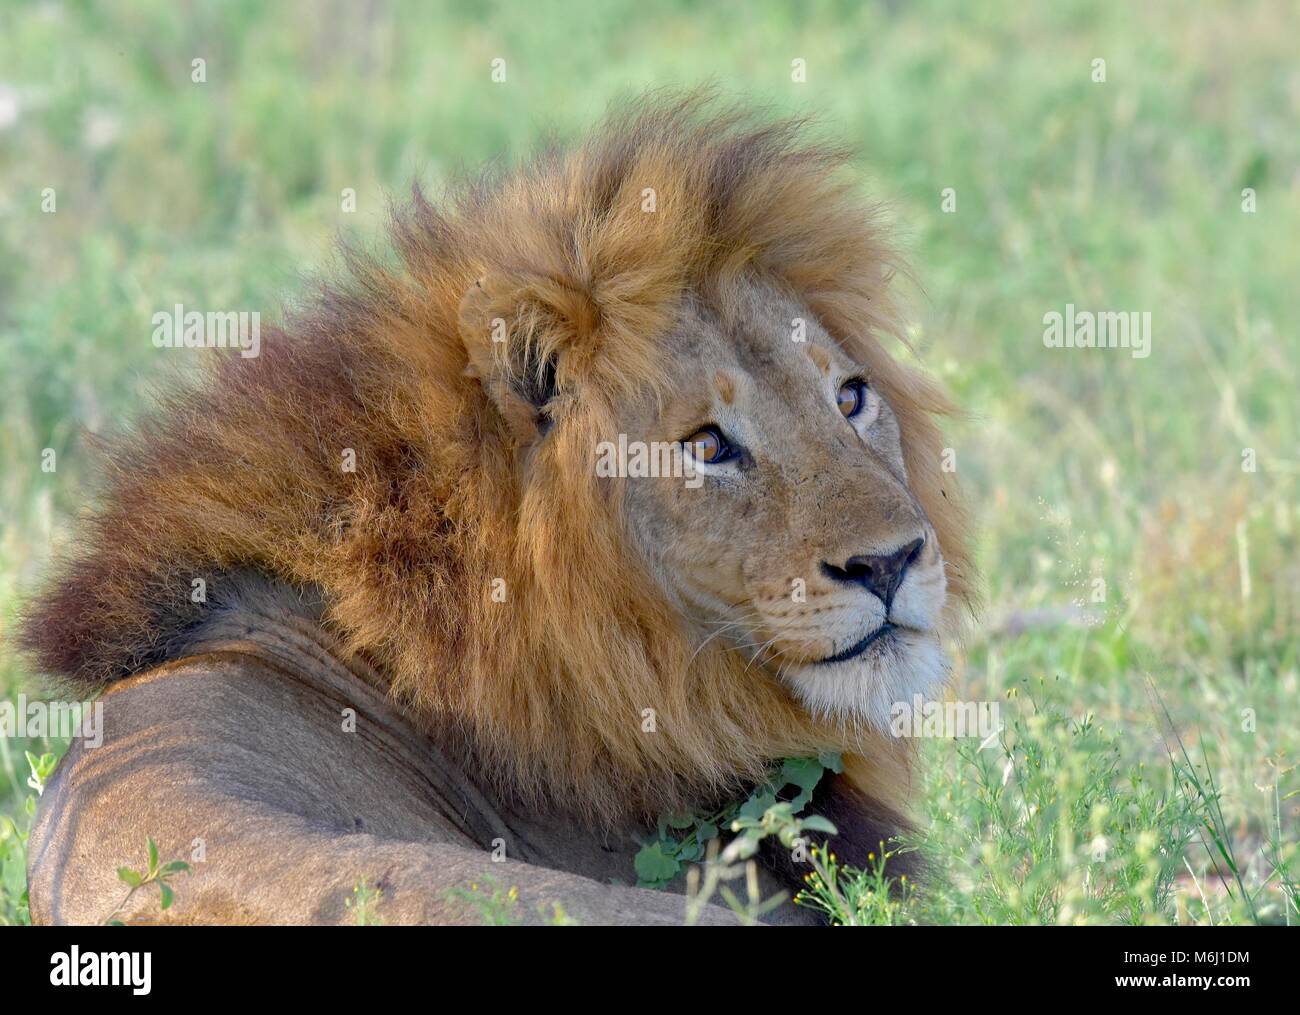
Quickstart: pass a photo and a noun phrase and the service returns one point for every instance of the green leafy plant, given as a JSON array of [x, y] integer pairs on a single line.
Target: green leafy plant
[[13, 844], [683, 838], [1048, 823], [155, 873], [853, 897], [499, 906], [496, 905], [1282, 856], [13, 866], [41, 769]]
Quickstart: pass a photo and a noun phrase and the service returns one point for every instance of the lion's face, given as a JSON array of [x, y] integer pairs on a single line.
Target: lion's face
[[798, 540]]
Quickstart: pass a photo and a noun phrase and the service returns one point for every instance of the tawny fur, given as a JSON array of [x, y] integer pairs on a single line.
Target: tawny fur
[[459, 480]]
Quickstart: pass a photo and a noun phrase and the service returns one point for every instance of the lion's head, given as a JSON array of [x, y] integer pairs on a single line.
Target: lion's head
[[617, 645], [796, 537]]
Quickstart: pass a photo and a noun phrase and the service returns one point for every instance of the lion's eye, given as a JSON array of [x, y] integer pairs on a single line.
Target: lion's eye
[[852, 397], [709, 446]]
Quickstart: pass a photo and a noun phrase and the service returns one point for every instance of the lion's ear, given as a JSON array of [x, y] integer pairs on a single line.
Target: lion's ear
[[513, 354]]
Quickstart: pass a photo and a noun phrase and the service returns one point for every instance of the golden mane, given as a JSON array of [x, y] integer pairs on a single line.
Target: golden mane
[[244, 470]]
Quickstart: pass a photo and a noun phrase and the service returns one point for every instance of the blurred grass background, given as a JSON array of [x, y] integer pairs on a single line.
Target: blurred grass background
[[1083, 465]]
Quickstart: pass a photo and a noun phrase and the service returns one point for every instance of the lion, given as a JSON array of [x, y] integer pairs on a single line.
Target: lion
[[363, 608]]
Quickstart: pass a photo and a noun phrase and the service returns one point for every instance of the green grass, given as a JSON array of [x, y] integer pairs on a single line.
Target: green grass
[[1083, 465]]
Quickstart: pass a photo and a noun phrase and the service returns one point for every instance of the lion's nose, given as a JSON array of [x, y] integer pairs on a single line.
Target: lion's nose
[[879, 573]]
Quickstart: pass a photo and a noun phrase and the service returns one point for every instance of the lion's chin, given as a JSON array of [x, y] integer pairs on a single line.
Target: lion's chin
[[865, 688]]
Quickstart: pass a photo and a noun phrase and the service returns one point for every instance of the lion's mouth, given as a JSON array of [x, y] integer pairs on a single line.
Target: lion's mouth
[[860, 646]]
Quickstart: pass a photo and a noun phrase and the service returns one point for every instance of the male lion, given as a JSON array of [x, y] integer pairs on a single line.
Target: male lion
[[430, 629]]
